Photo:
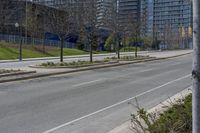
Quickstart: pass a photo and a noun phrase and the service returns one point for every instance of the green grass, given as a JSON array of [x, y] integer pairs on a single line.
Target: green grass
[[11, 51]]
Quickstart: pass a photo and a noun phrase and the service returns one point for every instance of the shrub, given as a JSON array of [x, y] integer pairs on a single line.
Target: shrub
[[80, 46], [177, 119]]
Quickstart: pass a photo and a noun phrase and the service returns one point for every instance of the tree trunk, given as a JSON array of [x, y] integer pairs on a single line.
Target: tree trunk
[[136, 51], [136, 48], [43, 44], [20, 49], [91, 54], [196, 67], [61, 49], [117, 46], [118, 49]]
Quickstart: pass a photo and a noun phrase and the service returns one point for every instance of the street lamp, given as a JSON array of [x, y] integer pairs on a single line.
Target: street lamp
[[16, 25], [20, 46]]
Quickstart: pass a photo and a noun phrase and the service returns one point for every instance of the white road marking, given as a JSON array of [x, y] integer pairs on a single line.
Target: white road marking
[[86, 83], [125, 75], [146, 70], [114, 105]]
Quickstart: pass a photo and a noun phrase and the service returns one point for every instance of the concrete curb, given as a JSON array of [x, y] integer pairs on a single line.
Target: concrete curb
[[16, 73], [125, 128], [89, 68], [61, 67], [91, 65]]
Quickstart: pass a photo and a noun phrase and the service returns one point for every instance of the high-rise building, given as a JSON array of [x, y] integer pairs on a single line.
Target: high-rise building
[[172, 19], [139, 11], [147, 10], [104, 8], [127, 8], [51, 3]]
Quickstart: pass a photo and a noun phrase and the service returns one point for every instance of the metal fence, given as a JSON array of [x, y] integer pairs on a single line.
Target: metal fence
[[15, 39]]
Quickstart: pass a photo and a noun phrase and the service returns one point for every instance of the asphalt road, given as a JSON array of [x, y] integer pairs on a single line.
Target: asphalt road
[[89, 102]]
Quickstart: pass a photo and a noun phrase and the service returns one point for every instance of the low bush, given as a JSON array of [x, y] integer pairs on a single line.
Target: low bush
[[70, 64], [126, 58], [177, 119], [2, 71]]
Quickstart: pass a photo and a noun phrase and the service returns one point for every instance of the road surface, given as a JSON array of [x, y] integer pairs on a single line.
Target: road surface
[[94, 101]]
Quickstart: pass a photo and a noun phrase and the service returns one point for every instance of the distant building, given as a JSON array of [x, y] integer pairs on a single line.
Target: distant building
[[52, 3], [141, 11], [14, 12], [172, 22], [147, 12], [103, 11], [127, 8]]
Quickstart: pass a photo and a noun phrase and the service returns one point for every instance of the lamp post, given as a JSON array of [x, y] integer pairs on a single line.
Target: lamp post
[[20, 46]]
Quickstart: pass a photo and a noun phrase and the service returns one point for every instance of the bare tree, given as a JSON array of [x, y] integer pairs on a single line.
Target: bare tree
[[83, 15], [90, 21], [36, 22], [136, 28], [112, 22], [32, 21], [61, 23]]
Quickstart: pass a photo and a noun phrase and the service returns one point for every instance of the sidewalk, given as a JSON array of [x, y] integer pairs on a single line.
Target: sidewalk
[[125, 128], [71, 56]]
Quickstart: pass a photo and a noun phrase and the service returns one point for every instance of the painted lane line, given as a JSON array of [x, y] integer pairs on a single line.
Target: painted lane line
[[125, 75], [86, 83], [146, 70], [114, 105]]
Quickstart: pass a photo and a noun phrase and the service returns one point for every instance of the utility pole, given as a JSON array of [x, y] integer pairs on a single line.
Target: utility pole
[[20, 45], [196, 68], [26, 32]]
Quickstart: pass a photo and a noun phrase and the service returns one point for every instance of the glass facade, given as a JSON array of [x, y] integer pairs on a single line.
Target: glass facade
[[172, 23], [140, 10], [57, 3], [127, 8], [103, 11], [175, 14], [149, 17]]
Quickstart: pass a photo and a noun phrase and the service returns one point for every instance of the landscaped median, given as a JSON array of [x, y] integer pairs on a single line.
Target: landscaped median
[[6, 71], [74, 64], [7, 75], [80, 64], [53, 68]]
